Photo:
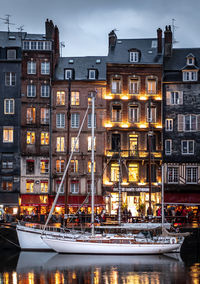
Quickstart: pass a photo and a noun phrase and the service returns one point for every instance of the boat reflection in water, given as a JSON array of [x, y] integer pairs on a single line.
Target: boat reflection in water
[[38, 267]]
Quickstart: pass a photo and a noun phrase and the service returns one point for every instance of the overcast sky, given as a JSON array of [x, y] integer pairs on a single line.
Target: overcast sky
[[84, 24]]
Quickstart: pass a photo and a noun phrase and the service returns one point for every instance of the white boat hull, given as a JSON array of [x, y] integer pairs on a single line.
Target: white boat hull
[[76, 247]]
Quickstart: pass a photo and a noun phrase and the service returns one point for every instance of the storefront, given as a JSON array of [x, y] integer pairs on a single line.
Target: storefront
[[9, 202], [34, 203]]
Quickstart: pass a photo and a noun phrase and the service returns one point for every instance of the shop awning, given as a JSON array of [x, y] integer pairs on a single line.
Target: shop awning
[[192, 198], [34, 200], [77, 200], [9, 198]]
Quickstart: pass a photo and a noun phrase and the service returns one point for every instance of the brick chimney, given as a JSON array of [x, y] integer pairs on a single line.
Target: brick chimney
[[168, 41], [112, 37], [159, 40], [49, 29]]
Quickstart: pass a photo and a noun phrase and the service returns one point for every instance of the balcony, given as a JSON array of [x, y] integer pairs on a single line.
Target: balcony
[[134, 154]]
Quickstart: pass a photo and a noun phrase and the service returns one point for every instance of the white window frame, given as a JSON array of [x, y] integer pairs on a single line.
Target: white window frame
[[169, 124], [133, 113], [31, 140], [8, 134], [169, 142], [75, 98], [92, 74], [46, 166], [68, 74], [90, 143], [151, 117], [60, 120], [46, 138], [74, 187], [174, 175], [60, 98], [90, 120], [134, 56], [44, 115], [75, 120], [73, 140], [61, 165], [57, 186], [10, 79], [44, 91], [31, 67], [134, 85], [11, 54], [31, 90], [192, 172], [60, 144], [150, 86], [9, 106], [74, 166], [190, 76], [116, 85], [43, 187], [188, 147], [45, 68], [191, 116]]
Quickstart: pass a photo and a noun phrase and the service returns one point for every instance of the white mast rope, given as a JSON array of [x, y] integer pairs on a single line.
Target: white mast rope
[[64, 174]]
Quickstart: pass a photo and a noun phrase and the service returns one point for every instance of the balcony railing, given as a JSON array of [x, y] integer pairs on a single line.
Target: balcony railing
[[137, 154]]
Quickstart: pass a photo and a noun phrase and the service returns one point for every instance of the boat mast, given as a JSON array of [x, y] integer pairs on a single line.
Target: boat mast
[[120, 191], [92, 163], [149, 142], [162, 199]]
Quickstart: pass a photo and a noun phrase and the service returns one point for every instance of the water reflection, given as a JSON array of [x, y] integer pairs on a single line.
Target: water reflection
[[38, 267]]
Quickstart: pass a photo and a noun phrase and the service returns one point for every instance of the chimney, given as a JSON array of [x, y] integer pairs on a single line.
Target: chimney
[[56, 40], [159, 40], [168, 41], [49, 29], [112, 39]]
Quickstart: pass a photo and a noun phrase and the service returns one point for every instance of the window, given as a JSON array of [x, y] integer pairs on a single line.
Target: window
[[75, 101], [31, 90], [44, 186], [44, 166], [89, 185], [187, 147], [29, 186], [58, 182], [60, 166], [92, 74], [30, 137], [74, 166], [74, 187], [74, 144], [30, 115], [114, 172], [11, 54], [31, 67], [90, 167], [44, 115], [190, 122], [133, 144], [45, 68], [44, 138], [10, 79], [115, 142], [37, 45], [68, 74], [116, 113], [190, 60], [151, 86], [90, 120], [8, 134], [7, 165], [60, 120], [169, 124], [168, 147], [153, 173], [9, 106], [75, 118], [45, 91], [172, 175], [7, 185], [191, 174], [190, 75], [60, 144], [30, 167], [174, 98], [134, 86], [151, 115], [60, 98], [133, 113], [134, 56], [90, 143], [133, 172], [153, 142], [116, 86]]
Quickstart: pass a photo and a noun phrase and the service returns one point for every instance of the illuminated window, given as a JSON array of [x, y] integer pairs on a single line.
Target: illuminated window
[[31, 90], [116, 113], [8, 134], [60, 98], [45, 68], [75, 100], [29, 186], [30, 167], [90, 143], [90, 167], [44, 91], [44, 115], [44, 186], [60, 120], [30, 115], [133, 144], [60, 144], [44, 166], [134, 86], [74, 144], [60, 166], [75, 118], [114, 172], [44, 138], [116, 86], [133, 172], [7, 185], [9, 106], [31, 67], [151, 86], [30, 137], [74, 187], [74, 166], [10, 79]]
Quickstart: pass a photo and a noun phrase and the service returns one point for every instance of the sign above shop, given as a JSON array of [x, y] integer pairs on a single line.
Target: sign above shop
[[133, 189]]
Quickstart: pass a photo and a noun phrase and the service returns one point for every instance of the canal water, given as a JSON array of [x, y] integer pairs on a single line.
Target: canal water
[[49, 267]]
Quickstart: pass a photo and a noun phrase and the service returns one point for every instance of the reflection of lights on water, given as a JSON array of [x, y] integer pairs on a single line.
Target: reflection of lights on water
[[74, 275], [59, 278], [14, 278], [31, 278], [195, 273], [96, 276], [6, 278]]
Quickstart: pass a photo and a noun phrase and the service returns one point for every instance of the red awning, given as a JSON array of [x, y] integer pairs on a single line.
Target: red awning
[[77, 200], [182, 198], [34, 200]]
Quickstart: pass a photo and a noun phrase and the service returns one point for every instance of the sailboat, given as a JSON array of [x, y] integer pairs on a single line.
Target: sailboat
[[108, 244]]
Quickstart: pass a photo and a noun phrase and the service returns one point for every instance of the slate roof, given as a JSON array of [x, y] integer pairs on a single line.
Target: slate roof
[[7, 39], [147, 47], [34, 37], [80, 66]]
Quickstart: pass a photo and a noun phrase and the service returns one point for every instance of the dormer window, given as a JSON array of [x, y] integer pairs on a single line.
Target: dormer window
[[190, 76], [134, 56], [92, 74], [190, 59], [68, 74]]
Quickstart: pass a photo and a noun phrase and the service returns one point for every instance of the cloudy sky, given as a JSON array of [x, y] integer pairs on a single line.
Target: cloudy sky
[[84, 24]]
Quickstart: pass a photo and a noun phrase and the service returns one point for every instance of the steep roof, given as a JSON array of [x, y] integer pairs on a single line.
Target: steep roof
[[10, 39], [80, 65], [146, 46]]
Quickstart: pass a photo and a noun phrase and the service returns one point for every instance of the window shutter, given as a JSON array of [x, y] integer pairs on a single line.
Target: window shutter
[[180, 122], [58, 120], [168, 98], [181, 98]]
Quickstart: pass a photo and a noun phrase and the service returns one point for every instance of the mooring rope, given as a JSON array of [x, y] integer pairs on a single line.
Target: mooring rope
[[9, 241]]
